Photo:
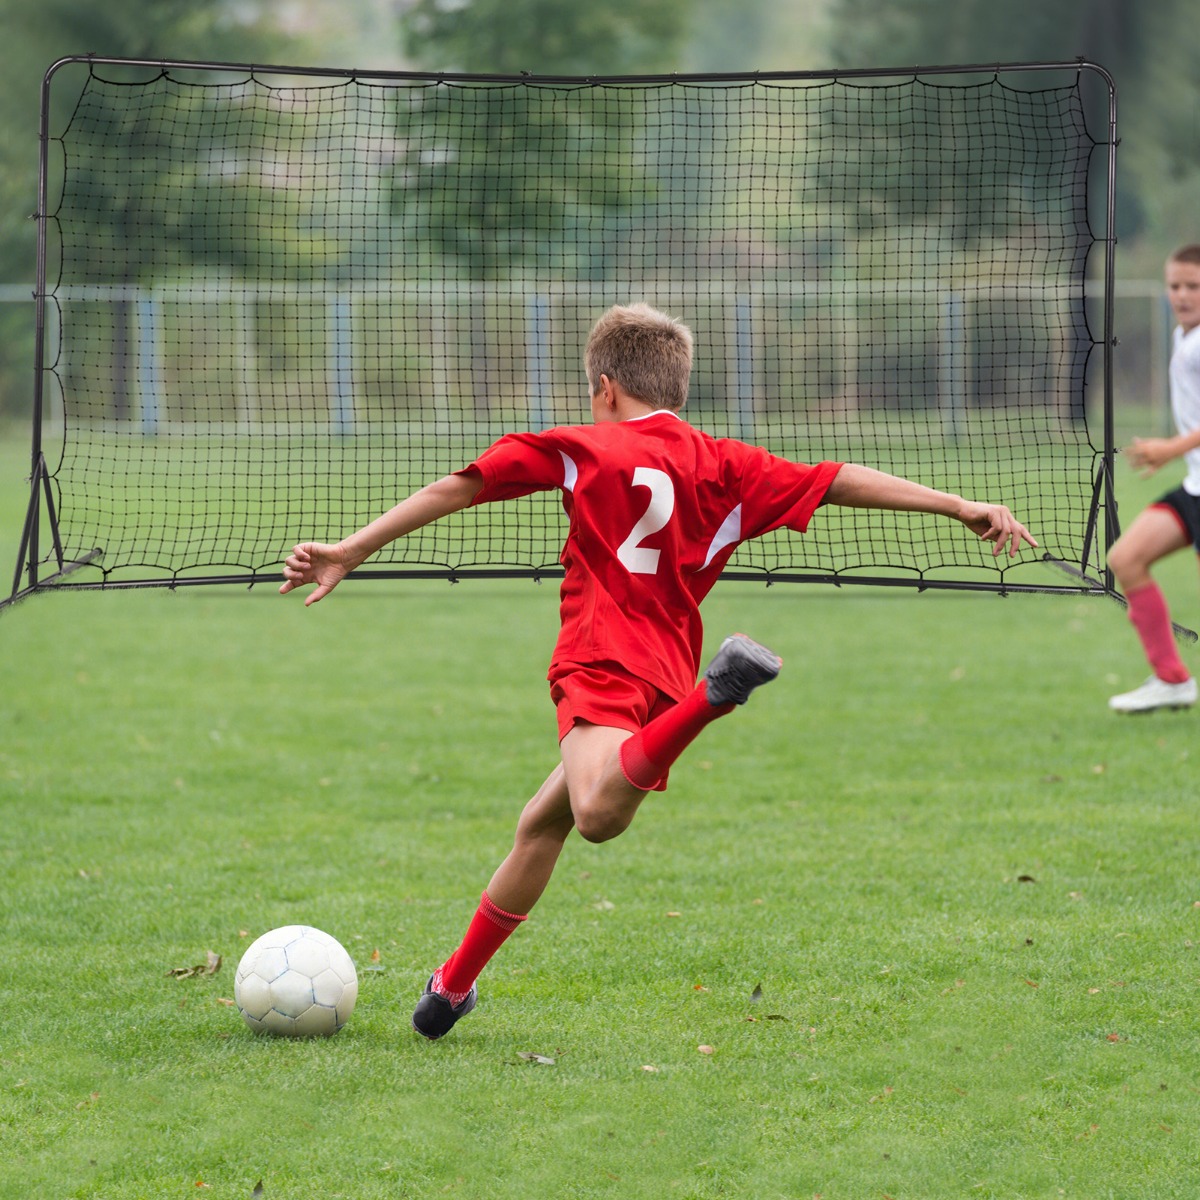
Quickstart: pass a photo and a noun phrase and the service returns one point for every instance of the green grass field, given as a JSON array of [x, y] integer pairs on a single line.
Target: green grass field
[[968, 894]]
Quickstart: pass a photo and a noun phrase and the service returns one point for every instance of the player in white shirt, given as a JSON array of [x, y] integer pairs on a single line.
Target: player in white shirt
[[1172, 522]]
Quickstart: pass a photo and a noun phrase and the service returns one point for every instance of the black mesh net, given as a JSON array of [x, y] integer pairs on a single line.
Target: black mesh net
[[278, 305]]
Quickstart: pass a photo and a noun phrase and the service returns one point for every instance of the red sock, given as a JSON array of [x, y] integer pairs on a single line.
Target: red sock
[[1149, 616], [647, 756], [488, 931]]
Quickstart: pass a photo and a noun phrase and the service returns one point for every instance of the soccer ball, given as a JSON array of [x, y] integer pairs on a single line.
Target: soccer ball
[[296, 981]]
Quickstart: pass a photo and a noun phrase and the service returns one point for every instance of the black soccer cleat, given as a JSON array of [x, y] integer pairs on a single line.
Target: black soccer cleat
[[435, 1016], [737, 668]]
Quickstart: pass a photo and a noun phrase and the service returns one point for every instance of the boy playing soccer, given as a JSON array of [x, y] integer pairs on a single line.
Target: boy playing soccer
[[1173, 521], [656, 509]]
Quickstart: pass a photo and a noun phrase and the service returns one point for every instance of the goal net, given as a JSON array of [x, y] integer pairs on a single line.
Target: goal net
[[272, 302]]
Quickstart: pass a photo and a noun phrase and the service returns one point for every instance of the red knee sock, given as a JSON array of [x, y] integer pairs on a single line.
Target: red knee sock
[[488, 931], [647, 756], [1149, 616]]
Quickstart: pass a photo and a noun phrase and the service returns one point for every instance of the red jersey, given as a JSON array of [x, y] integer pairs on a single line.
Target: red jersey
[[656, 509]]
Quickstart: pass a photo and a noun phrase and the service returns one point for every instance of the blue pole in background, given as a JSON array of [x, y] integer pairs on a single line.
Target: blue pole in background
[[537, 361], [149, 376], [341, 358], [743, 399]]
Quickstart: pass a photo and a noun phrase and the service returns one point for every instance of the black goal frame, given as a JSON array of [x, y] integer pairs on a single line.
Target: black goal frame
[[42, 564]]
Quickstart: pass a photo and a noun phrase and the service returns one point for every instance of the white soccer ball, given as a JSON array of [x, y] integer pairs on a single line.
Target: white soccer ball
[[296, 981]]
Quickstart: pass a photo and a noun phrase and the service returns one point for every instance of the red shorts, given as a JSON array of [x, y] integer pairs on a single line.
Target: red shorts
[[604, 694]]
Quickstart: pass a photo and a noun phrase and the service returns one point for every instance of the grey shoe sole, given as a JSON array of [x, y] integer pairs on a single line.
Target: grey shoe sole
[[737, 668]]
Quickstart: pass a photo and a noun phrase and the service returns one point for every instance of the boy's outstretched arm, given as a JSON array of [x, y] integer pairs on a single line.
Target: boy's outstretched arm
[[864, 487], [327, 566]]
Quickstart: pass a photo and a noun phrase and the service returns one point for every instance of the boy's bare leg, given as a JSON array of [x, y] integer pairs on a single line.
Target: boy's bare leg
[[609, 771], [592, 791], [544, 825], [603, 801], [515, 887]]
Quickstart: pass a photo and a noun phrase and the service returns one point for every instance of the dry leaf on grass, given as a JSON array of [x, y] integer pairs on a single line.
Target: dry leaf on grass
[[210, 966]]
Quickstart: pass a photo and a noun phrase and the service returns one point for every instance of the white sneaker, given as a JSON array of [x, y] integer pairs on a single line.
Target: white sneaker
[[1155, 693]]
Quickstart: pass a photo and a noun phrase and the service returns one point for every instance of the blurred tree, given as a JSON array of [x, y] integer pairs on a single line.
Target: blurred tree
[[757, 35], [504, 181], [1151, 50], [40, 34], [37, 35], [544, 37], [1122, 35], [525, 213], [188, 176]]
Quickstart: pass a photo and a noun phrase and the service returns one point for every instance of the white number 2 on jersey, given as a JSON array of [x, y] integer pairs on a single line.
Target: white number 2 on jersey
[[634, 557]]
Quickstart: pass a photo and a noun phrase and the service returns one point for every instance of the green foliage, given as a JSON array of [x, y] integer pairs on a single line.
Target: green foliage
[[493, 197], [957, 173], [135, 30], [216, 204], [1152, 52], [544, 37], [40, 34], [16, 357], [929, 32], [523, 186]]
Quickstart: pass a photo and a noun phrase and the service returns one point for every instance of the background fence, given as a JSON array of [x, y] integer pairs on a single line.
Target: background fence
[[1143, 325]]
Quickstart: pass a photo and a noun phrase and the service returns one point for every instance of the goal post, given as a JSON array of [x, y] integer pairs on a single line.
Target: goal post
[[271, 301]]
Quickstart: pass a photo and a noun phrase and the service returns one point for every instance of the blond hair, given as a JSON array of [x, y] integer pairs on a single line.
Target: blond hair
[[648, 353]]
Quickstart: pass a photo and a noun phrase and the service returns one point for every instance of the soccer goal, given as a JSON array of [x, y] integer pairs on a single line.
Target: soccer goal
[[272, 301]]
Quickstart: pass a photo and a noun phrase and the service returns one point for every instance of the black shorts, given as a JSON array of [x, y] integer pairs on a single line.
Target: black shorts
[[1186, 508]]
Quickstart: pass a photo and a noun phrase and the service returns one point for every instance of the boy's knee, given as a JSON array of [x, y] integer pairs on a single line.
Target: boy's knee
[[597, 823]]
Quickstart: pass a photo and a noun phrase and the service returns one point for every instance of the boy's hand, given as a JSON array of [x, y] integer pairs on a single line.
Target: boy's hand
[[994, 523], [313, 562]]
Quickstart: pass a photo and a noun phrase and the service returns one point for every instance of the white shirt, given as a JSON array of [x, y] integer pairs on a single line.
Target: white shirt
[[1185, 398]]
